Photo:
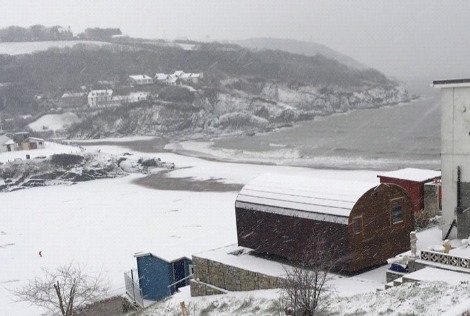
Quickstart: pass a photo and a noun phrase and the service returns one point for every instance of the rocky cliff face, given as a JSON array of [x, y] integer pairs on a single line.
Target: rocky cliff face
[[236, 105]]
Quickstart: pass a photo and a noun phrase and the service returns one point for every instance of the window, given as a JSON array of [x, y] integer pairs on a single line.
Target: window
[[396, 212], [357, 225]]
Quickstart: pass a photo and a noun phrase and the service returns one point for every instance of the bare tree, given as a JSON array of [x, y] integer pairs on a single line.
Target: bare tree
[[306, 280], [64, 289]]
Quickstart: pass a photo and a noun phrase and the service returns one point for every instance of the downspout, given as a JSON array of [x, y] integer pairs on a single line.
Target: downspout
[[459, 208]]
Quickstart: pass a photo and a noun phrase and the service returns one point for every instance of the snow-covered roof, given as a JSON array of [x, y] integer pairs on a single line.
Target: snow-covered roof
[[5, 140], [180, 249], [167, 259], [108, 92], [451, 83], [178, 73], [172, 79], [161, 76], [73, 95], [322, 199], [140, 77], [412, 174]]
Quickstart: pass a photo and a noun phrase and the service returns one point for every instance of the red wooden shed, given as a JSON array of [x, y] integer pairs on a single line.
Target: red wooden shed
[[412, 180], [365, 223]]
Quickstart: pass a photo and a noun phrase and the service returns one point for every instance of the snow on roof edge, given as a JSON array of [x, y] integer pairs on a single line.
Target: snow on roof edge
[[412, 174]]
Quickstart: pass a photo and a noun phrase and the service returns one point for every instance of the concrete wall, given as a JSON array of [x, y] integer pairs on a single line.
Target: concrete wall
[[431, 199], [455, 150], [211, 277]]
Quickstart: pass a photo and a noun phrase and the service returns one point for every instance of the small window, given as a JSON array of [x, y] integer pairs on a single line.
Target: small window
[[357, 225], [397, 212]]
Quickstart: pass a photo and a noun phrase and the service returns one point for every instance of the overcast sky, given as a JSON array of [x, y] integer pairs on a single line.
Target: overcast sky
[[401, 38]]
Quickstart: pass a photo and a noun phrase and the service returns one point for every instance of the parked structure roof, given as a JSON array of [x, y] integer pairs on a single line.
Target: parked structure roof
[[451, 83], [412, 174], [311, 195]]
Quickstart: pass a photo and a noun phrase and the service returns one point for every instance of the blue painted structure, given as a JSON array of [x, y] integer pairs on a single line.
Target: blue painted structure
[[157, 276]]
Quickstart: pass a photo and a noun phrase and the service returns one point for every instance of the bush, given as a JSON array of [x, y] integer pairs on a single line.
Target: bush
[[421, 219], [176, 94], [66, 160]]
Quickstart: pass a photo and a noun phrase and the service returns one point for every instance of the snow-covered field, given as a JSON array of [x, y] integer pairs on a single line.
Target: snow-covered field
[[54, 122], [101, 224], [19, 48]]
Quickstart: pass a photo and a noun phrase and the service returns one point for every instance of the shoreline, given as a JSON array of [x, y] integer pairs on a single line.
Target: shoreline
[[267, 150]]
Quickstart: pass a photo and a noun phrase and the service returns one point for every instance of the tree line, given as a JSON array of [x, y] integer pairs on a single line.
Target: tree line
[[40, 32]]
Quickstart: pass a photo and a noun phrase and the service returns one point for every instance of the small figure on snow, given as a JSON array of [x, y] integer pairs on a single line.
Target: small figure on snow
[[40, 253]]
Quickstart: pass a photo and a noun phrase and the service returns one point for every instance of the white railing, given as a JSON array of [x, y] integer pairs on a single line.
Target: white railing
[[445, 258]]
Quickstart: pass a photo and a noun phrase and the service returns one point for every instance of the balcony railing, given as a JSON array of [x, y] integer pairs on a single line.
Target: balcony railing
[[445, 258]]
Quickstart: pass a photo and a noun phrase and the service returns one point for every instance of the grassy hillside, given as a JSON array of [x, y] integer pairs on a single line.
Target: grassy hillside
[[59, 69], [299, 47]]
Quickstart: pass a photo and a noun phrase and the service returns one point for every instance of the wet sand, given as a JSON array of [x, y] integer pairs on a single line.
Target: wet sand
[[160, 181]]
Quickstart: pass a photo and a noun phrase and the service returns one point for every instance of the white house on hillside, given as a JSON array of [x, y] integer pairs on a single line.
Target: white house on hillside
[[132, 97], [97, 98], [140, 80], [7, 144], [160, 78]]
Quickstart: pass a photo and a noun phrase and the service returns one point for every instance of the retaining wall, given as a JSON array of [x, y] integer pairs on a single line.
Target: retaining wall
[[212, 277]]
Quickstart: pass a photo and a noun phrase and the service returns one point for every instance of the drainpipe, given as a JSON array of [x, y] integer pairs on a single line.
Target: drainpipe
[[459, 208]]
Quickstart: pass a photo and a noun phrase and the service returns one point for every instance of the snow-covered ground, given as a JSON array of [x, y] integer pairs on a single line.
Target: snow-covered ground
[[19, 48], [49, 149], [101, 224], [54, 122]]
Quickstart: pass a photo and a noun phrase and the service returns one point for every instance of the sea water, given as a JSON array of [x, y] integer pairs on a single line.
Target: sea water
[[386, 138]]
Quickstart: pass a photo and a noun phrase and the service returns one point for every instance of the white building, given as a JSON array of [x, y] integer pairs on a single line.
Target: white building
[[7, 144], [100, 98], [160, 77], [132, 97], [455, 157], [140, 80]]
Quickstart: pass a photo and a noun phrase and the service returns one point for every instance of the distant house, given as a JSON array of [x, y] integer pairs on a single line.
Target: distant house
[[195, 78], [160, 78], [7, 144], [73, 100], [363, 224], [413, 181], [173, 80], [191, 77], [161, 277], [177, 78], [140, 80], [138, 96], [185, 77], [100, 98], [32, 143], [132, 97], [178, 73]]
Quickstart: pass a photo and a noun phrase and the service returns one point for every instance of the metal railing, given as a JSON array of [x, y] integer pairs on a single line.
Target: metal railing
[[133, 288]]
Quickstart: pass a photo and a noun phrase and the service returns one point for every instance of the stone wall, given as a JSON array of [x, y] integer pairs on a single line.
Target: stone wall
[[212, 277]]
